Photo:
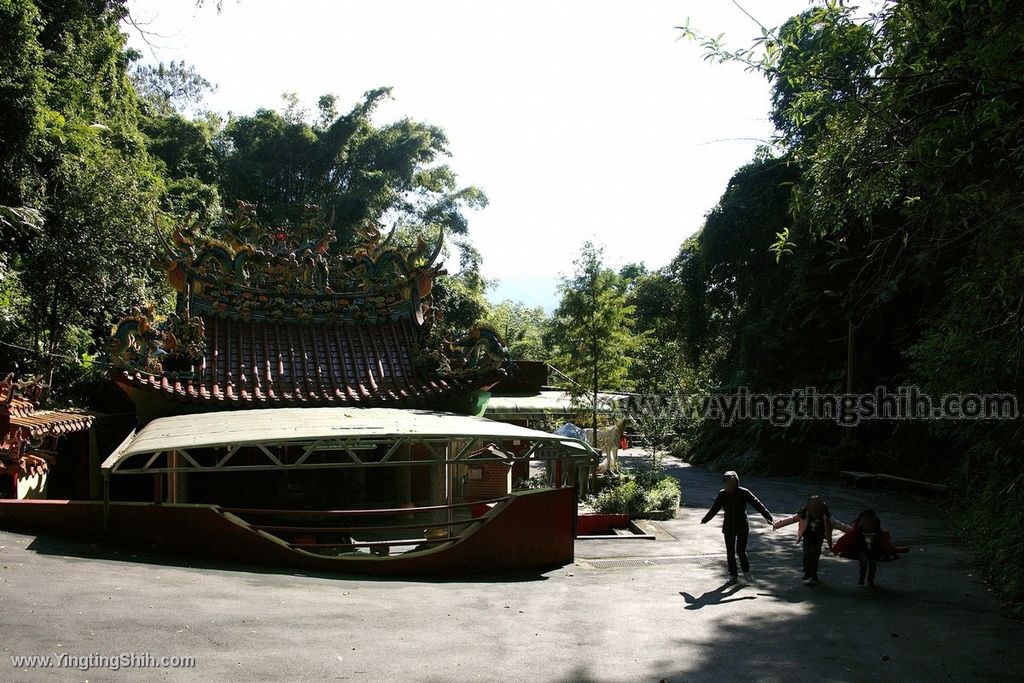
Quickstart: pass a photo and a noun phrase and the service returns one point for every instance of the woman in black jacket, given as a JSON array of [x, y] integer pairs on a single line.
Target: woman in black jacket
[[733, 499]]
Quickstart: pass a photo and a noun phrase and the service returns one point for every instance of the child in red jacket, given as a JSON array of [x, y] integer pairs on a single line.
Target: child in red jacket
[[868, 543]]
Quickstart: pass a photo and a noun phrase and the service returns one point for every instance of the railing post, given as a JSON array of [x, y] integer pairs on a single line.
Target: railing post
[[106, 499]]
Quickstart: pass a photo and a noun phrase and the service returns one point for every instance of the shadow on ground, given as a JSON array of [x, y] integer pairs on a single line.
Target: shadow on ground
[[929, 619], [103, 549], [715, 596]]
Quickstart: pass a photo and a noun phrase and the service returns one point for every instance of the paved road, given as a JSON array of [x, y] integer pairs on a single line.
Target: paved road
[[626, 611]]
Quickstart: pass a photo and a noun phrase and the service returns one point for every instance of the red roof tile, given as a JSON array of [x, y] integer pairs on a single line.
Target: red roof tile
[[264, 364], [19, 413], [42, 422]]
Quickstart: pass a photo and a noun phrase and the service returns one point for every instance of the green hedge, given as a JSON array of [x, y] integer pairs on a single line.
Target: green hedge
[[637, 495]]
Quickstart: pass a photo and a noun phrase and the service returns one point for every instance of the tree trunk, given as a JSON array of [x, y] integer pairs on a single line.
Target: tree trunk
[[54, 327]]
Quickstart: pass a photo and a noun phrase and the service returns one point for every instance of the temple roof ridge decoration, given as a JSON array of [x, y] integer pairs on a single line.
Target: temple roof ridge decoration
[[296, 273]]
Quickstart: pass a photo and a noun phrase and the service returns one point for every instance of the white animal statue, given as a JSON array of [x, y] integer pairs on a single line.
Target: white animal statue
[[608, 439]]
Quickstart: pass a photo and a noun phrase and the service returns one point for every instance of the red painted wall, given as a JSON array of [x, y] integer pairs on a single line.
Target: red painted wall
[[599, 523], [533, 530]]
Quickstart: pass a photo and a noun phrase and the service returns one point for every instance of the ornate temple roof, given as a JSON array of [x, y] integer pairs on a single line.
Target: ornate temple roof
[[19, 411], [256, 364], [23, 428], [278, 317]]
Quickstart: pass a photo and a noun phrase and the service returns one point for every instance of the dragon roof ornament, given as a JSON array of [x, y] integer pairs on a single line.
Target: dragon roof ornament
[[294, 273], [285, 314]]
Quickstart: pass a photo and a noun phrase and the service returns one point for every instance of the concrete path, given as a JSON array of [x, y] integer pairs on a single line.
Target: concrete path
[[628, 610]]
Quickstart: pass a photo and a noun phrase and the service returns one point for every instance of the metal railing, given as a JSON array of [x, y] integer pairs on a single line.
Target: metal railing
[[298, 533]]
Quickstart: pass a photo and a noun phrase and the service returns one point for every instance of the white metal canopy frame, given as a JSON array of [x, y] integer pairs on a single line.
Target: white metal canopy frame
[[327, 438]]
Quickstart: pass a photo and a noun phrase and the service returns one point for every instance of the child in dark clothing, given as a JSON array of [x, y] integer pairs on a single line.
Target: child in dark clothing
[[733, 499], [868, 546], [815, 527], [867, 543]]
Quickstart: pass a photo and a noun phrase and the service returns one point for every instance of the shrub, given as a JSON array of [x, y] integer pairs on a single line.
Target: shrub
[[665, 495], [679, 447], [637, 494], [537, 481], [623, 498]]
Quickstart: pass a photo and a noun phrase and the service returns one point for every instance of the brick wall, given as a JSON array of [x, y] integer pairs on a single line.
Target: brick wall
[[495, 480]]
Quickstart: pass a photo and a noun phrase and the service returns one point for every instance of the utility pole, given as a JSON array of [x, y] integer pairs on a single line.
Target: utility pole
[[594, 349], [849, 373]]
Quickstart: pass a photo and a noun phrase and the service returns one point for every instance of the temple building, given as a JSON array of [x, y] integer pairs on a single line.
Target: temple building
[[301, 405], [29, 438]]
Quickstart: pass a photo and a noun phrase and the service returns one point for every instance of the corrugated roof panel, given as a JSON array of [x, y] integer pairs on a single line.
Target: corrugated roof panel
[[277, 425]]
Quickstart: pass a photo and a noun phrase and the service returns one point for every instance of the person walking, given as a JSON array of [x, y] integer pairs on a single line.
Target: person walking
[[733, 500], [867, 542], [814, 527]]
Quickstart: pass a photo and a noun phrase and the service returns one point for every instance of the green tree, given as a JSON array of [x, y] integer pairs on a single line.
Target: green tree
[[186, 151], [351, 168], [521, 327], [591, 331], [22, 92], [188, 162], [72, 151], [359, 173], [460, 299], [170, 88]]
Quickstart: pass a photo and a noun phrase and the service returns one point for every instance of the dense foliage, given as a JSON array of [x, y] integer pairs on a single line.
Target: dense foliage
[[71, 149], [95, 153], [886, 221], [638, 493], [521, 327]]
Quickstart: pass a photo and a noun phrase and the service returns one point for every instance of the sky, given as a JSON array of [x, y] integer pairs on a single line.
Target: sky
[[580, 119]]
